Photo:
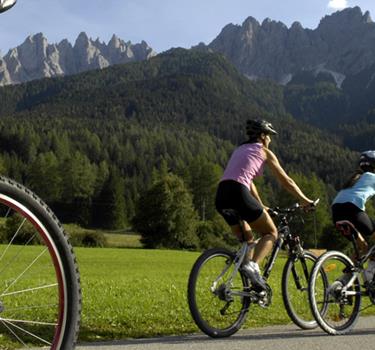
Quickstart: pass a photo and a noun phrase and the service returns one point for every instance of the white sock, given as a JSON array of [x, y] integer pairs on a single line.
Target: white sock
[[253, 266]]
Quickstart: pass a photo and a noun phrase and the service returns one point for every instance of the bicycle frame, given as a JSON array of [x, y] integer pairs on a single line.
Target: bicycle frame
[[240, 256], [358, 270], [283, 234], [231, 292]]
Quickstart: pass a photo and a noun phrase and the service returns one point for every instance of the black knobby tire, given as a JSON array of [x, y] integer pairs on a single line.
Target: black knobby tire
[[294, 282], [205, 306], [333, 314], [46, 285]]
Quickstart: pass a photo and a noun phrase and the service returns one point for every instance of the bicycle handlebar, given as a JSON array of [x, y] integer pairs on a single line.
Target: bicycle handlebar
[[275, 212]]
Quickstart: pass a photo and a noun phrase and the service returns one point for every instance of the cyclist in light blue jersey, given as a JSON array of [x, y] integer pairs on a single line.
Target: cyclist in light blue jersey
[[350, 202]]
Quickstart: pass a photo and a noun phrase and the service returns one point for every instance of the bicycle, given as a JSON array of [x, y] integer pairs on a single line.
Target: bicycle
[[40, 295], [220, 295], [335, 288]]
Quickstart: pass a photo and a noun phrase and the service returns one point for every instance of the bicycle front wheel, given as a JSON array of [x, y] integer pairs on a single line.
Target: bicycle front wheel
[[295, 281], [217, 294], [40, 298], [334, 304]]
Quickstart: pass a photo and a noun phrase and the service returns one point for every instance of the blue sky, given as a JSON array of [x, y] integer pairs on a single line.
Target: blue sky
[[161, 23]]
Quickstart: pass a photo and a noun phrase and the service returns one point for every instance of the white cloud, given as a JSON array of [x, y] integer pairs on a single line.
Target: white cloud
[[338, 4]]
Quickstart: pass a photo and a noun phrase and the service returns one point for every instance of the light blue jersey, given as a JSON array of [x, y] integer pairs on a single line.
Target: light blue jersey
[[358, 194]]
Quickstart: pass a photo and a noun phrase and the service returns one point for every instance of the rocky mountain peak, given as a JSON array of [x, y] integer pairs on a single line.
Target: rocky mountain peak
[[341, 45], [115, 42], [296, 26], [349, 17], [82, 39], [35, 58], [367, 17]]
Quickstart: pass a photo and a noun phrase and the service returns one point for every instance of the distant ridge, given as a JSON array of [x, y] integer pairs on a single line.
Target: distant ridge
[[36, 58], [342, 45]]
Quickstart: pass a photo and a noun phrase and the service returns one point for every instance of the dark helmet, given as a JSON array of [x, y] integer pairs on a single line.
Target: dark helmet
[[367, 161], [256, 127]]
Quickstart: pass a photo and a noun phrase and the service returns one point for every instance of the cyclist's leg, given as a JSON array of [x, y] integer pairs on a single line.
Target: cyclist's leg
[[233, 195], [265, 226], [360, 220], [366, 227], [244, 233]]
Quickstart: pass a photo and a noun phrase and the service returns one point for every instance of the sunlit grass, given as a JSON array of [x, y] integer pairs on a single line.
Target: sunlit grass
[[131, 293], [139, 293]]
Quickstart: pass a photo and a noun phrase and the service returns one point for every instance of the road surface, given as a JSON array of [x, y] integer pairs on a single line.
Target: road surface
[[287, 337]]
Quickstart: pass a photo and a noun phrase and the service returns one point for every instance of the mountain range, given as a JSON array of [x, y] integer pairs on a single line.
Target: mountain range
[[36, 58], [176, 107], [341, 46]]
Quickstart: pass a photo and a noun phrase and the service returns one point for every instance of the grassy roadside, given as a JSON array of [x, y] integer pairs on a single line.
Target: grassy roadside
[[131, 293]]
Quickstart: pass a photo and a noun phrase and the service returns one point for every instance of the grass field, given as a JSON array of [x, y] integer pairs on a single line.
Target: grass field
[[141, 293], [129, 293]]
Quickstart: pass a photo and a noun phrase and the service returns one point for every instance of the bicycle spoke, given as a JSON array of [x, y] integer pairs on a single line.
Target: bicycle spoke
[[24, 271], [14, 334], [39, 290], [10, 320], [218, 311], [29, 290], [295, 290], [335, 305], [10, 263], [26, 331], [13, 238]]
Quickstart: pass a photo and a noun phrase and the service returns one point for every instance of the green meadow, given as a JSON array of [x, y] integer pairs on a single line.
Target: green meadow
[[131, 293], [134, 292]]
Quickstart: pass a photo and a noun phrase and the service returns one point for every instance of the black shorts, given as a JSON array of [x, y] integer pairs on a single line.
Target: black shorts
[[233, 195], [348, 211]]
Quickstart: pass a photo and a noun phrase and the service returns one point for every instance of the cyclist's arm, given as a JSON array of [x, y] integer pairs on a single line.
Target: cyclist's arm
[[255, 194], [287, 182]]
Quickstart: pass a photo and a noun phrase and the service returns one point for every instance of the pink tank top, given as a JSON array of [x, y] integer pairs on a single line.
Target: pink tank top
[[245, 163]]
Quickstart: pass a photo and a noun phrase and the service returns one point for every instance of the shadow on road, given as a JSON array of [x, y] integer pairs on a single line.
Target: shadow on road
[[246, 336]]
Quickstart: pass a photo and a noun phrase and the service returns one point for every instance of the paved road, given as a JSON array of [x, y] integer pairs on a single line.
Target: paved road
[[269, 338]]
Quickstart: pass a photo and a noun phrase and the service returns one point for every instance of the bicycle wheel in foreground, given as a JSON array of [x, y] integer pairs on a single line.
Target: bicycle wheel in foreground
[[40, 299], [335, 310], [216, 301], [295, 282]]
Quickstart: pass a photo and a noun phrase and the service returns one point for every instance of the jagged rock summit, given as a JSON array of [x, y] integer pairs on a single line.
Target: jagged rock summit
[[343, 44], [36, 58]]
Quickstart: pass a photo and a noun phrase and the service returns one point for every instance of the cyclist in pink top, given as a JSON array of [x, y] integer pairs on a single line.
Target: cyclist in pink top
[[238, 192]]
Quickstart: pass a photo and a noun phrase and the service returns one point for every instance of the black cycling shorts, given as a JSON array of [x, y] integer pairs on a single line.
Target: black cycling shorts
[[348, 211], [235, 196]]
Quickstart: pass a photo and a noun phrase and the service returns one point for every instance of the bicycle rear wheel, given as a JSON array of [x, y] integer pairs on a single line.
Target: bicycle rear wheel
[[295, 281], [40, 299], [216, 296], [335, 310]]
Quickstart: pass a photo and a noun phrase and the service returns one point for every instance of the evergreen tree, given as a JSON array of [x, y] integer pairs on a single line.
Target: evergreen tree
[[165, 215], [78, 188], [312, 225], [202, 178], [44, 177], [110, 205]]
